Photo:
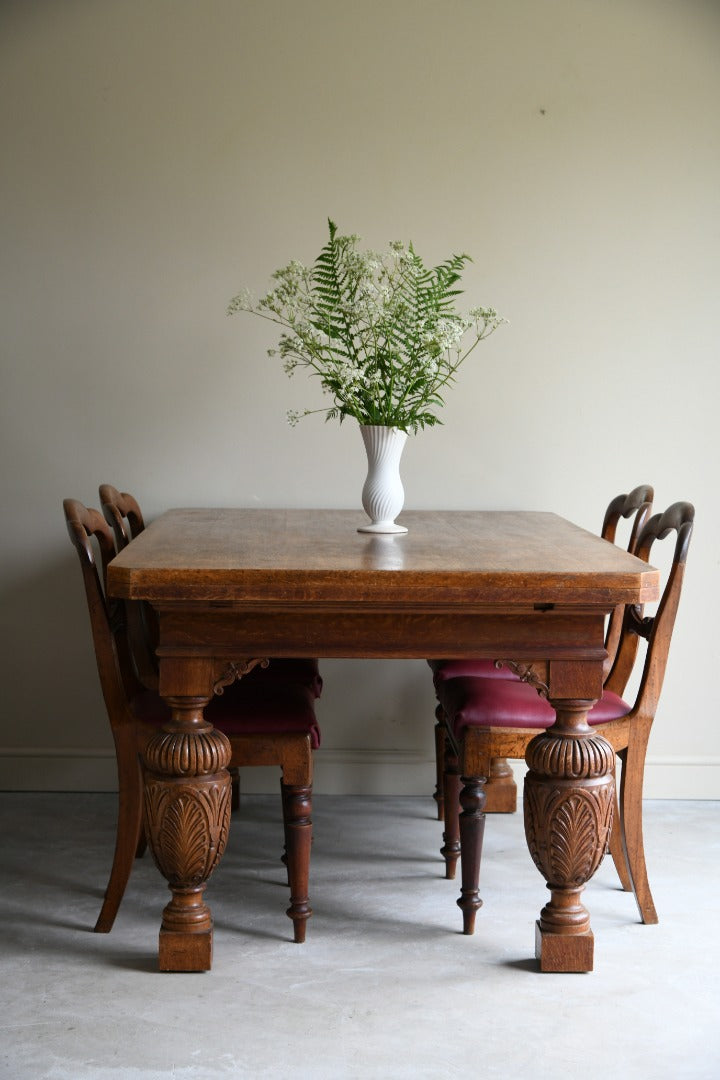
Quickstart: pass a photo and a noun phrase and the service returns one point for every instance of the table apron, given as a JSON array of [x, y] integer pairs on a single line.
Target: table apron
[[563, 634]]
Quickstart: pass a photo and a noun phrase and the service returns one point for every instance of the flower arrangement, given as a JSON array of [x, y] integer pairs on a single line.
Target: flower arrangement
[[379, 330]]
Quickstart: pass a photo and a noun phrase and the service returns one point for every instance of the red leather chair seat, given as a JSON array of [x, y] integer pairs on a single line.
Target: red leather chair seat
[[481, 669], [248, 707], [290, 669], [478, 702]]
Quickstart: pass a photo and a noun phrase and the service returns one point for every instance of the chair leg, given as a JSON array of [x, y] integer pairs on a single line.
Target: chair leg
[[450, 850], [501, 789], [141, 845], [439, 794], [235, 795], [472, 828], [128, 834], [631, 789], [283, 796], [615, 846], [297, 809]]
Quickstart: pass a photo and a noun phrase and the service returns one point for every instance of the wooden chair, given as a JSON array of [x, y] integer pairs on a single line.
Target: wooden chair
[[501, 790], [267, 723], [487, 718], [122, 512]]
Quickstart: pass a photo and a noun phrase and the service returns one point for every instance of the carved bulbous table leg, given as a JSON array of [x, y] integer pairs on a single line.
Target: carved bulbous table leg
[[568, 807], [187, 815]]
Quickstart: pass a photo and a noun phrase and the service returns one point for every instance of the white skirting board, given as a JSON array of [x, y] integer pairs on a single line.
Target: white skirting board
[[337, 772]]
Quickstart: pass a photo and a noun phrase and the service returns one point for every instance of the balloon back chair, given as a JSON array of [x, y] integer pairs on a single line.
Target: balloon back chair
[[266, 724], [490, 717], [501, 790], [123, 514]]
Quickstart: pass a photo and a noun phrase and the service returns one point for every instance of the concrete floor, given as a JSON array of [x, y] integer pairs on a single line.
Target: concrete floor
[[385, 986]]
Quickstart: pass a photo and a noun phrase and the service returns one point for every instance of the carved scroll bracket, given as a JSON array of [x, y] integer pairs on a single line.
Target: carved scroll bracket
[[526, 673], [237, 669]]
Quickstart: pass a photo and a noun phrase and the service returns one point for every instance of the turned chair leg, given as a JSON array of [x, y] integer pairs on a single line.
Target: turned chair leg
[[631, 788], [297, 809], [439, 793], [472, 828], [450, 850], [284, 796]]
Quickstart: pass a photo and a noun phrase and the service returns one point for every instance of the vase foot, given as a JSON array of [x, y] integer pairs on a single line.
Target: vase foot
[[382, 527]]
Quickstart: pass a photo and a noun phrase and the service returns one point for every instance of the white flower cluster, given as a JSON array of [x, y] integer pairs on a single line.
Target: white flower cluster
[[379, 330]]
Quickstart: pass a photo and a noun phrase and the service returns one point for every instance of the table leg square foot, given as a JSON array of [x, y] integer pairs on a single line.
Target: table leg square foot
[[564, 952], [185, 952]]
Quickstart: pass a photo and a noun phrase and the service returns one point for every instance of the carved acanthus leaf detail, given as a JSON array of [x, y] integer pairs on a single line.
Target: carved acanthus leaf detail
[[570, 847], [181, 842], [573, 836], [188, 828]]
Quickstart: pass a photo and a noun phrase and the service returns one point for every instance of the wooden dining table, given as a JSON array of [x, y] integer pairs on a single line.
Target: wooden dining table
[[233, 586]]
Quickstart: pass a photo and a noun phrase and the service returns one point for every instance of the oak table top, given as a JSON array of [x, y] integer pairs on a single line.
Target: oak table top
[[305, 556]]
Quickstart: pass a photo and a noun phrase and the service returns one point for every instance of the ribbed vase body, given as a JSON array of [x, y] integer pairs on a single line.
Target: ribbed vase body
[[383, 494]]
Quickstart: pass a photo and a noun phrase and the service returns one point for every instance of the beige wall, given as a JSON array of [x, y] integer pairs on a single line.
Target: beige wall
[[159, 155]]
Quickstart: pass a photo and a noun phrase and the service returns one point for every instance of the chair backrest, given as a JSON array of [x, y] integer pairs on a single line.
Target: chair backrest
[[117, 678], [123, 514], [638, 503], [656, 629]]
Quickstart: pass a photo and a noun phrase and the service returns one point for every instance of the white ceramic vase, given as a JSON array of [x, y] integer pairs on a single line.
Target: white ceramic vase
[[382, 494]]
